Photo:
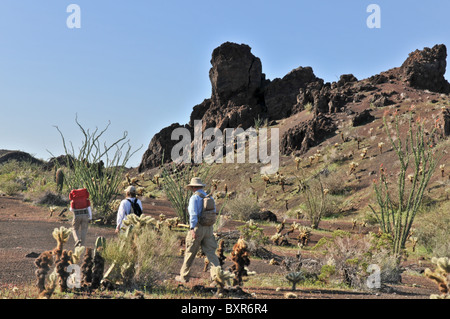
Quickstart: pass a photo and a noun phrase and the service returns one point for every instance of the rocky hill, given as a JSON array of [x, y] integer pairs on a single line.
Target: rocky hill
[[241, 93]]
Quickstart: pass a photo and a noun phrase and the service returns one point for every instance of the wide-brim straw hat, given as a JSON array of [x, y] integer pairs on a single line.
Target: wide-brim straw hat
[[195, 182], [130, 190]]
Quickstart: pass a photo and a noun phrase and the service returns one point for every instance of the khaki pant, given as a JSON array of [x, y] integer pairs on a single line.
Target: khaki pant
[[80, 225], [204, 238]]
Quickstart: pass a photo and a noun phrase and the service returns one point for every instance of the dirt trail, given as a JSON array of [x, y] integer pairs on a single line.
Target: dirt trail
[[25, 230]]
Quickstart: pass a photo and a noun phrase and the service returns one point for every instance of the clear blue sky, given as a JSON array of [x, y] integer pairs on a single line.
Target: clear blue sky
[[144, 64]]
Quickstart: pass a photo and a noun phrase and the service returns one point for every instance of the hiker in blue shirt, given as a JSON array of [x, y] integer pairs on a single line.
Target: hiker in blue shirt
[[198, 235]]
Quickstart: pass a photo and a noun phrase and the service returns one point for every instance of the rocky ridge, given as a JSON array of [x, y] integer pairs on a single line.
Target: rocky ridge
[[241, 93]]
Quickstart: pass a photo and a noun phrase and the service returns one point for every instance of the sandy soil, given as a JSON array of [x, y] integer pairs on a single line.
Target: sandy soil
[[25, 231]]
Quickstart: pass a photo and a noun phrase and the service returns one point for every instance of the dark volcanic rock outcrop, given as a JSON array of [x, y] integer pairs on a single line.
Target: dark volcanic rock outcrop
[[280, 95], [241, 94], [425, 69], [302, 137], [160, 148], [18, 156]]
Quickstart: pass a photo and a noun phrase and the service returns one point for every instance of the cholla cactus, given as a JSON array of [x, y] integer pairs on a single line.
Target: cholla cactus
[[354, 222], [295, 278], [297, 162], [156, 179], [380, 147], [364, 153], [75, 255], [98, 263], [214, 184], [220, 252], [172, 222], [414, 241], [441, 276], [138, 221], [240, 258], [61, 236], [353, 166], [304, 235], [114, 205], [43, 263], [266, 180], [59, 179], [221, 278]]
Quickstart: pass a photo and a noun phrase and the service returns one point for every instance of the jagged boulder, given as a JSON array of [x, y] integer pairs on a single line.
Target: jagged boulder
[[237, 89], [280, 95], [235, 75], [265, 215], [160, 148], [302, 137], [362, 118], [425, 69]]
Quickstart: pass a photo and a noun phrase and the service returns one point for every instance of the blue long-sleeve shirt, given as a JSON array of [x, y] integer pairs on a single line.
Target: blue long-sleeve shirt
[[195, 208]]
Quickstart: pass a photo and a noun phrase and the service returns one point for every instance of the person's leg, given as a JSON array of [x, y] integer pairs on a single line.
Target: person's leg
[[192, 247], [209, 247], [76, 223], [84, 224]]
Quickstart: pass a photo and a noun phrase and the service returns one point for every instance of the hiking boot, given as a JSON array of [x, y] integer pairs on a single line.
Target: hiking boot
[[181, 279]]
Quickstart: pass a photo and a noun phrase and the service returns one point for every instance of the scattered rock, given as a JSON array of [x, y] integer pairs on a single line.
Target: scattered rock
[[306, 135], [362, 118], [264, 215]]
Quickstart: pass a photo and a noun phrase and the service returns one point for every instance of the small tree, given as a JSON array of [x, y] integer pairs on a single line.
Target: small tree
[[396, 218], [97, 166]]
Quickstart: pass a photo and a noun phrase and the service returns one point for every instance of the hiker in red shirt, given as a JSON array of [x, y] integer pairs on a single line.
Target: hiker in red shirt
[[82, 214]]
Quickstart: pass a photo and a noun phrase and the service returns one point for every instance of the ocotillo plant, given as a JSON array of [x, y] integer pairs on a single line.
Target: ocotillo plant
[[97, 166], [397, 219]]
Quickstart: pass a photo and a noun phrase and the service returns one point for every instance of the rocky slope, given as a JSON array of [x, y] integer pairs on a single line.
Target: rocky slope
[[241, 93]]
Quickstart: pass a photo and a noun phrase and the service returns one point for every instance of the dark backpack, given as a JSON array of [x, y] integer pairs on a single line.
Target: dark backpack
[[135, 208]]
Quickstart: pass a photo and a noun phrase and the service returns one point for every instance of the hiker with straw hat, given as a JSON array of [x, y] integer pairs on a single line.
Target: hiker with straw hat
[[200, 233], [126, 206]]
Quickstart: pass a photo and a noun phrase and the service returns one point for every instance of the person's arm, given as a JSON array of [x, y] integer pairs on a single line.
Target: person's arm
[[140, 204], [89, 212], [120, 216], [192, 210]]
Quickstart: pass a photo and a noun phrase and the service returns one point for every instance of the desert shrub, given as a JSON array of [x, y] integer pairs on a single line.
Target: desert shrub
[[17, 177], [142, 258], [242, 206], [253, 234], [349, 256], [433, 231], [315, 199]]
